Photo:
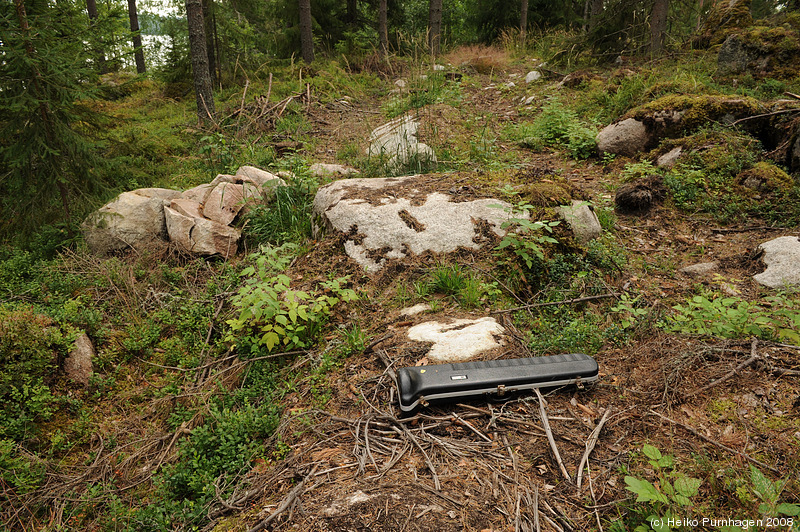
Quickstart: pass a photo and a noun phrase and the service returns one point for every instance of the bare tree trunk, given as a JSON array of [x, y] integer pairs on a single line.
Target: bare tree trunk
[[383, 27], [352, 11], [306, 36], [435, 26], [595, 9], [91, 9], [523, 22], [203, 88], [658, 26], [138, 51], [208, 27]]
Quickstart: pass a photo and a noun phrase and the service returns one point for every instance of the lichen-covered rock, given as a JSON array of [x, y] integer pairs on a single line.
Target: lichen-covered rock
[[458, 341], [133, 220], [388, 218]]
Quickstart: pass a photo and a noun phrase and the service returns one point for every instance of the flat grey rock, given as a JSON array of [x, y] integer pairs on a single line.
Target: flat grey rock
[[782, 257], [458, 341], [701, 269], [393, 225]]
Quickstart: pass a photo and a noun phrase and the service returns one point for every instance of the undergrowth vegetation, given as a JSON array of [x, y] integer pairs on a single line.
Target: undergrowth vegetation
[[201, 363]]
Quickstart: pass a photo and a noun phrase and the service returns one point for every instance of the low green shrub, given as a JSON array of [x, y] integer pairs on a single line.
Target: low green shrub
[[560, 127], [778, 317], [31, 346], [271, 314]]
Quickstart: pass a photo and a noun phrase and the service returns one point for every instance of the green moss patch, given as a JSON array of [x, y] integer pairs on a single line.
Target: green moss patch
[[764, 176], [696, 111]]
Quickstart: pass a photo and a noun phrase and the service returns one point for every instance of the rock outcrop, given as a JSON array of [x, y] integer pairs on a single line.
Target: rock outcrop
[[668, 117], [772, 52], [199, 220], [389, 218]]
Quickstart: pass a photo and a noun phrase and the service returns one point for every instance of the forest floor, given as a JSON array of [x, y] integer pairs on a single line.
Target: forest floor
[[718, 406], [690, 420]]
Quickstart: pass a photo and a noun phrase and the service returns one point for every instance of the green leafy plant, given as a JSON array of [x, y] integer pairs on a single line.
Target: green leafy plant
[[769, 492], [628, 311], [733, 317], [558, 126], [666, 499], [525, 237], [271, 314]]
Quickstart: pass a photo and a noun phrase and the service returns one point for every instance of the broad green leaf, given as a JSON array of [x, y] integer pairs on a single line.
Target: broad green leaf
[[651, 452], [788, 509], [687, 486], [644, 490], [762, 486], [682, 500]]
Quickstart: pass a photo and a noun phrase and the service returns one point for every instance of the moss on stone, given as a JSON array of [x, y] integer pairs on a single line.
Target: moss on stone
[[723, 20], [764, 51], [693, 111], [764, 176]]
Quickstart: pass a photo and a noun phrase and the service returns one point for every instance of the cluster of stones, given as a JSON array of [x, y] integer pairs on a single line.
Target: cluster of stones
[[200, 220]]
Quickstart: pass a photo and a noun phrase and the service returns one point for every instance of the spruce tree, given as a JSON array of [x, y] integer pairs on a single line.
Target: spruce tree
[[46, 158]]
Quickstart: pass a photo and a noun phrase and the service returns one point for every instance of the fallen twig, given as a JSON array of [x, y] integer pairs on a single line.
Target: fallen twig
[[754, 357], [590, 445], [741, 229], [550, 303], [773, 113], [550, 438], [287, 501]]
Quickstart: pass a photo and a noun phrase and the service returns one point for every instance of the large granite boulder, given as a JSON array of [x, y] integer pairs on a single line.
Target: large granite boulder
[[133, 220], [199, 235], [391, 218], [199, 220]]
